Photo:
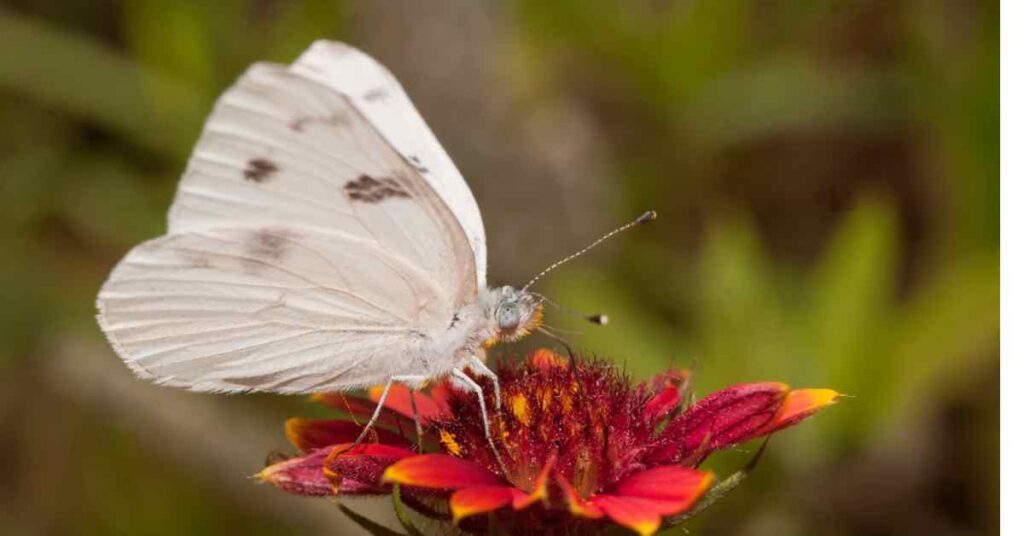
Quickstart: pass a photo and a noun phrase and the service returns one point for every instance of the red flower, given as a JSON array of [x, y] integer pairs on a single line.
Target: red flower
[[581, 446]]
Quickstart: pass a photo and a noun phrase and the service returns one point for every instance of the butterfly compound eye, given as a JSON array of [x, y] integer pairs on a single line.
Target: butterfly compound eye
[[507, 316]]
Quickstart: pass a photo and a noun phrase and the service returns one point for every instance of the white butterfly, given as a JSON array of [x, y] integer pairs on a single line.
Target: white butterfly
[[320, 240]]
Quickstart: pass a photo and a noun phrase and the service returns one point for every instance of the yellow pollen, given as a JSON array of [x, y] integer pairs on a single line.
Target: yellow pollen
[[450, 444], [521, 409]]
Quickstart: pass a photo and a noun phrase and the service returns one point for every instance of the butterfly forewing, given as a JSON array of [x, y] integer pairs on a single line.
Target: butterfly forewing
[[304, 253], [280, 149], [375, 92], [243, 309]]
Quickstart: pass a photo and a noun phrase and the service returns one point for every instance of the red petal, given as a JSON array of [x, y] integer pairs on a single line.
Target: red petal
[[721, 419], [305, 476], [800, 404], [662, 404], [309, 435], [400, 400], [364, 463], [363, 408], [677, 378], [440, 471], [576, 505], [674, 489], [470, 501], [440, 394], [670, 386], [640, 515], [540, 488]]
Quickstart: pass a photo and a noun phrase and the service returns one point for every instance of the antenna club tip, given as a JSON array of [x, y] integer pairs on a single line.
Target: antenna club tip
[[650, 215], [600, 320]]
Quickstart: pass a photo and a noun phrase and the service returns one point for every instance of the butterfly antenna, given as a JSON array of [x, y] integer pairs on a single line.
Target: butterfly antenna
[[557, 339], [560, 330], [650, 215]]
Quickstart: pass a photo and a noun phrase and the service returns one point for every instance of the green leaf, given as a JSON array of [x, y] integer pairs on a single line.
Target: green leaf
[[99, 184], [786, 94], [745, 335], [300, 23], [371, 526], [173, 37], [401, 514], [720, 490], [944, 334], [85, 78], [851, 301]]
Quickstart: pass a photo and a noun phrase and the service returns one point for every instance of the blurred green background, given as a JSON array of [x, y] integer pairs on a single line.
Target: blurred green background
[[826, 175]]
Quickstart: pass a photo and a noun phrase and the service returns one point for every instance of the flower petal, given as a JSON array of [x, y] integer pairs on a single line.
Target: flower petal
[[439, 393], [400, 399], [307, 434], [577, 506], [305, 476], [719, 420], [800, 404], [662, 403], [670, 385], [674, 489], [678, 378], [364, 463], [440, 471], [638, 514], [363, 408], [521, 500], [470, 501]]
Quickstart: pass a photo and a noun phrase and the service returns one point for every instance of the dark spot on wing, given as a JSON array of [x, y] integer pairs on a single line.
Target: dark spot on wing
[[259, 170], [416, 164], [376, 94], [455, 320], [268, 244], [337, 119], [370, 190]]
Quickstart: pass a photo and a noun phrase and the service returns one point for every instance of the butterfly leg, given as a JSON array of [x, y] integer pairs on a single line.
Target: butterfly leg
[[411, 380], [478, 366], [416, 420], [475, 387]]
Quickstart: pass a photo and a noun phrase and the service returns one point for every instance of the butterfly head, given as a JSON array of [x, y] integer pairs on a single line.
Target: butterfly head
[[514, 313]]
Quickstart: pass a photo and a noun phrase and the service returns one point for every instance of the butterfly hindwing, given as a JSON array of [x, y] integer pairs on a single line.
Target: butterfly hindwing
[[267, 309]]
